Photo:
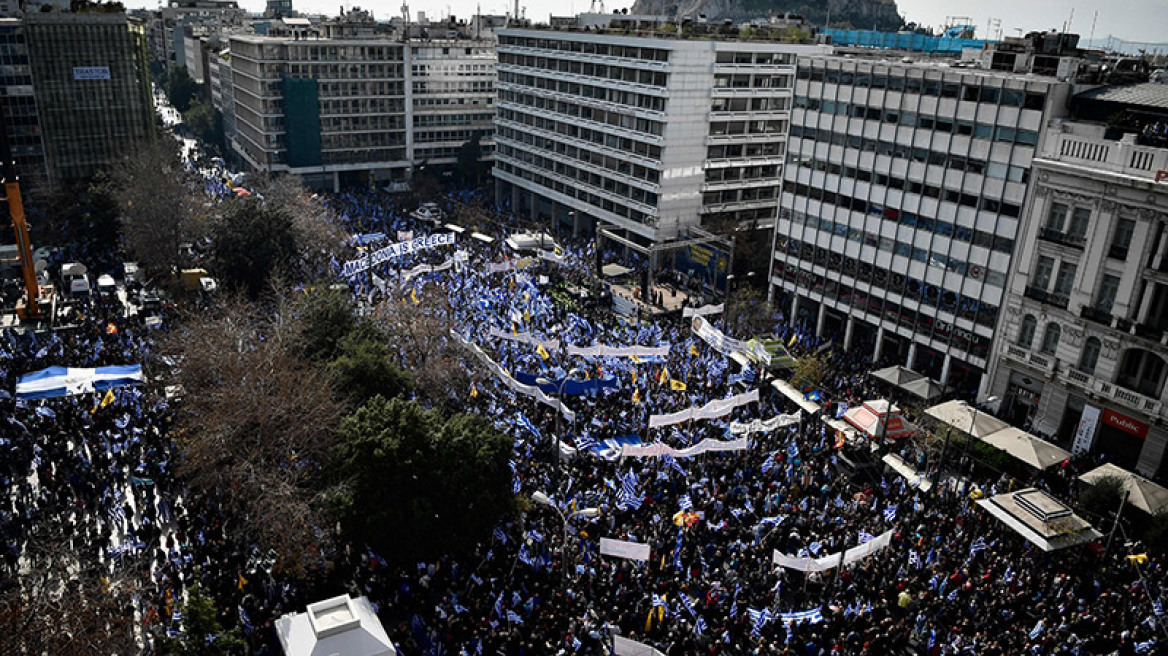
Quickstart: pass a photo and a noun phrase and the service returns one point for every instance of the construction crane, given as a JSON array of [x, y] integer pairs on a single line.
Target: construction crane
[[29, 307]]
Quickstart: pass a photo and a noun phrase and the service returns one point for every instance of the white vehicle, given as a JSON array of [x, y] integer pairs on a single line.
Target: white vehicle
[[76, 279], [106, 286]]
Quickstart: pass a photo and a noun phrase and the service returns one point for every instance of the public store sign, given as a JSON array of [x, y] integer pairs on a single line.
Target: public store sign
[[1126, 424], [91, 73]]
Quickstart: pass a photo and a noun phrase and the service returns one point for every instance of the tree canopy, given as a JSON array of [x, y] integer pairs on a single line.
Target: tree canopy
[[249, 240]]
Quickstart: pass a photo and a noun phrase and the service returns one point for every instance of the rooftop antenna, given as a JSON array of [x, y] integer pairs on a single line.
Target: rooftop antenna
[[1093, 21], [1067, 25]]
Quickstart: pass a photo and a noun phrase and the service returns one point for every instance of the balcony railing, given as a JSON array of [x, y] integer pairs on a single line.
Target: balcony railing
[[1095, 314], [1037, 360], [1043, 296], [1148, 331], [1113, 392], [1064, 238]]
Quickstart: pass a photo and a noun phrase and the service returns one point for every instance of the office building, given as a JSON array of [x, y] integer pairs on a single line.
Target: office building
[[20, 104], [628, 127], [902, 198], [92, 88], [1083, 351], [452, 98], [166, 27]]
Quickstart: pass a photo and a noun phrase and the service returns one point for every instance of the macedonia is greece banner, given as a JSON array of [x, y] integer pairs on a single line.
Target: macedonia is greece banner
[[510, 382], [622, 549], [711, 410], [764, 426], [658, 449], [394, 251]]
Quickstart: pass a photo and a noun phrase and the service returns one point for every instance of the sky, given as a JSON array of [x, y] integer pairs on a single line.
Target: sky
[[1144, 21]]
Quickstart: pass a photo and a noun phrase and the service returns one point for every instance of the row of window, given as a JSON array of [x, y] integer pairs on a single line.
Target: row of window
[[741, 128], [937, 88], [892, 149], [432, 86], [752, 104], [759, 58], [1000, 243], [447, 102], [752, 81], [747, 195], [769, 150], [587, 47], [574, 190], [743, 173], [583, 133], [902, 248], [602, 72], [619, 165], [614, 118], [362, 88], [584, 176], [909, 119], [350, 71], [427, 120], [600, 93], [331, 52], [923, 323]]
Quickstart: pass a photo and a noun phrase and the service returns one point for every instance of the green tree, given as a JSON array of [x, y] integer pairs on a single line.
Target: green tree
[[407, 471], [1103, 496], [181, 89], [249, 240], [103, 209], [364, 369], [205, 122], [325, 317], [810, 370], [470, 157], [1155, 533], [202, 634]]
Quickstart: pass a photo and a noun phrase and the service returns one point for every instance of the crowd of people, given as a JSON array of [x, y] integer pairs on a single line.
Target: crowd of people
[[952, 579]]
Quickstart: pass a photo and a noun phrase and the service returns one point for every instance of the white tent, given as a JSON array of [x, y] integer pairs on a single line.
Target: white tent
[[1031, 450], [1040, 518], [1142, 493], [961, 415], [340, 626], [787, 390]]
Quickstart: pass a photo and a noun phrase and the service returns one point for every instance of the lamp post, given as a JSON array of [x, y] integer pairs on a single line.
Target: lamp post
[[544, 500], [574, 374]]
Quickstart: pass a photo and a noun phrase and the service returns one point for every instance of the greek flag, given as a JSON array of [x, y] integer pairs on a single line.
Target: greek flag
[[177, 617], [1145, 647], [768, 463], [659, 601], [500, 535], [688, 605], [953, 595], [978, 545], [758, 619], [815, 548], [628, 493], [245, 621], [914, 559], [677, 550], [535, 536], [932, 640], [524, 422], [672, 462], [512, 616], [685, 503], [793, 450], [866, 537], [700, 626], [890, 513], [1037, 630], [1158, 607], [586, 442], [499, 605]]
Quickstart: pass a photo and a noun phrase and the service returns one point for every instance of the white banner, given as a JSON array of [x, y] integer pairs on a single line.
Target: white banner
[[508, 265], [394, 251], [552, 256], [622, 549], [622, 646], [425, 268], [602, 351], [658, 449], [832, 561], [727, 345], [1085, 433], [524, 338], [514, 385], [702, 311], [765, 426], [711, 410]]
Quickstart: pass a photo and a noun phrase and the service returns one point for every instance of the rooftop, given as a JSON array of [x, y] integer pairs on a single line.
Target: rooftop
[[661, 27], [1145, 94]]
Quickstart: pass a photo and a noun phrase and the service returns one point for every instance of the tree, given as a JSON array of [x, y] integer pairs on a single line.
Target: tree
[[181, 89], [1103, 496], [470, 156], [249, 240], [810, 370], [202, 634], [159, 208], [205, 122], [325, 316], [364, 369], [404, 470], [103, 209]]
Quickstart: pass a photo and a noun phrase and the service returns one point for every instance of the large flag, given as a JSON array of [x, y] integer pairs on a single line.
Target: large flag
[[67, 381]]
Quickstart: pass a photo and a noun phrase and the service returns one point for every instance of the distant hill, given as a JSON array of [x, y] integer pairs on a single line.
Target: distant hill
[[859, 14]]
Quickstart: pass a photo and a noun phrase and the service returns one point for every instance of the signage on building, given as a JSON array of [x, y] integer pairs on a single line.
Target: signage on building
[[91, 73], [1126, 424], [1085, 433]]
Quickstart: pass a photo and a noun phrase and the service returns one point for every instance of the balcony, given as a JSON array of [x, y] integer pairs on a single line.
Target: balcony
[[1043, 296], [1062, 238], [1148, 331], [1037, 360], [1095, 314], [1085, 145], [1113, 392]]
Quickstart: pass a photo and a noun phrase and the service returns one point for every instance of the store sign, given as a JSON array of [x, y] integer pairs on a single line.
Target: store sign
[[1126, 424], [91, 73], [1085, 433]]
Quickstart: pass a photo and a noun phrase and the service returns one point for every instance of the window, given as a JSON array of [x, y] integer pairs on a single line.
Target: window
[[1066, 279], [1050, 339], [1080, 218], [1121, 240], [1026, 331], [1107, 291], [1090, 355], [1141, 371], [1043, 272], [1056, 217]]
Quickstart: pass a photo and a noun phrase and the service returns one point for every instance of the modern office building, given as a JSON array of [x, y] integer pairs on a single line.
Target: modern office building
[[1083, 349], [902, 198], [452, 98], [20, 104], [91, 83], [634, 129]]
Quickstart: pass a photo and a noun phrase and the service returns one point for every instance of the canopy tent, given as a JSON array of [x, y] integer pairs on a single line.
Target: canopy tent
[[966, 418], [914, 478], [924, 388], [66, 381], [1142, 493], [615, 270], [1031, 450], [1040, 518], [879, 419], [457, 229], [429, 212], [785, 388], [530, 241], [896, 376]]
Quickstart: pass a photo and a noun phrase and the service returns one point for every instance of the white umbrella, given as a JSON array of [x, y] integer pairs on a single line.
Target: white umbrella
[[1031, 450], [1142, 493]]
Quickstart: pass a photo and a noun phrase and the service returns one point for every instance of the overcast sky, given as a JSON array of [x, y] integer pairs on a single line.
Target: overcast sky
[[1134, 20]]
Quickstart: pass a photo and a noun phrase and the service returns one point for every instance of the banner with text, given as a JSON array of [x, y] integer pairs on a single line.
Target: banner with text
[[394, 251], [708, 445], [601, 351], [524, 338], [765, 426], [622, 549], [712, 410]]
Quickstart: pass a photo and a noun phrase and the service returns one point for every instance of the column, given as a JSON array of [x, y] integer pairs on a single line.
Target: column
[[336, 182], [945, 369], [794, 310], [879, 345], [849, 328], [912, 352], [819, 320], [515, 200]]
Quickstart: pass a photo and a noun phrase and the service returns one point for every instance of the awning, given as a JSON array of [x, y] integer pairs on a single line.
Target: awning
[[1058, 530], [901, 467], [924, 388], [615, 270], [897, 375], [1028, 448], [842, 426], [961, 415], [785, 388], [1142, 493], [879, 419], [530, 241]]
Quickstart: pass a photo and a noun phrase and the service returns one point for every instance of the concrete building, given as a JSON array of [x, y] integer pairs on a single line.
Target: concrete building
[[902, 198], [21, 117], [1083, 349], [166, 27], [452, 98], [647, 136], [92, 88]]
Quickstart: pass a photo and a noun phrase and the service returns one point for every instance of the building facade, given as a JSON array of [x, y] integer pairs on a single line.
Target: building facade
[[20, 104], [1083, 349], [452, 98], [647, 135], [901, 203], [92, 86]]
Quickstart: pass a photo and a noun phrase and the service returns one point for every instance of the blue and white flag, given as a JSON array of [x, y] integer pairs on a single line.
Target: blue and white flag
[[914, 559], [585, 443], [1038, 629], [758, 619], [793, 450], [524, 422], [628, 498], [513, 617], [685, 502], [700, 627], [866, 537], [978, 545], [890, 513], [659, 601]]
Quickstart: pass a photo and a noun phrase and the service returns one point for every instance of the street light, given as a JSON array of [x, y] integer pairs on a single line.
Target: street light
[[574, 374], [589, 513]]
